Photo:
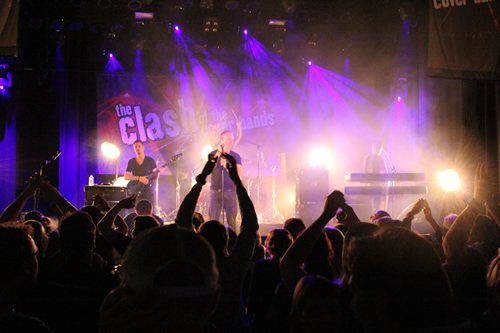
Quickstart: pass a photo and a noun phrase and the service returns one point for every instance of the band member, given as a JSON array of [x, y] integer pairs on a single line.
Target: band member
[[222, 190], [140, 172]]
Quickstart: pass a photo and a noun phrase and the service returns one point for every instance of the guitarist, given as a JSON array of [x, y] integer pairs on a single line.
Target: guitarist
[[138, 170]]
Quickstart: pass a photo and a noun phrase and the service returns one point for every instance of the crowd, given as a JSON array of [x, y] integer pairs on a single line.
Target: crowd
[[94, 271]]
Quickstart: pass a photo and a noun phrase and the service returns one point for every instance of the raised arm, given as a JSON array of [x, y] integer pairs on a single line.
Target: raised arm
[[455, 241], [298, 252], [245, 242], [103, 206], [186, 210], [351, 216], [417, 208], [105, 225], [51, 194], [438, 232], [12, 211]]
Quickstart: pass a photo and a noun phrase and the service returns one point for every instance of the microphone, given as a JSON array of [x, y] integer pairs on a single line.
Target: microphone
[[56, 155]]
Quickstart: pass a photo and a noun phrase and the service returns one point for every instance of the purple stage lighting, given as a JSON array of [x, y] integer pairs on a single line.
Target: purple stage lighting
[[111, 55], [245, 32], [309, 62], [177, 29], [399, 98], [2, 87]]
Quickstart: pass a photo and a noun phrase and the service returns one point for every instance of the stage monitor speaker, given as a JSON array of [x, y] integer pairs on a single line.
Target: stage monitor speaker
[[111, 194], [312, 186]]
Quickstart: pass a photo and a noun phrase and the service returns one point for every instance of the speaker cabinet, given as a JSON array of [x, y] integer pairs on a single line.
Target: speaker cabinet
[[112, 194], [311, 186]]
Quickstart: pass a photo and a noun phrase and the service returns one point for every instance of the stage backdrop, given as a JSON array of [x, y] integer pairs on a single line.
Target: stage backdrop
[[464, 39], [173, 115]]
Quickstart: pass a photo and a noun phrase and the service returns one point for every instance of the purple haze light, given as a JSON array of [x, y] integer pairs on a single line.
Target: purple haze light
[[177, 29], [111, 55], [245, 32], [309, 62]]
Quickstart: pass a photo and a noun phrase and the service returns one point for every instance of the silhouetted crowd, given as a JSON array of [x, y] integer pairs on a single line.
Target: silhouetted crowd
[[90, 270]]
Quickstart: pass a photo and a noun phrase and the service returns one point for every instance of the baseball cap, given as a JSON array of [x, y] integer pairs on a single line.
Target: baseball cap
[[170, 261]]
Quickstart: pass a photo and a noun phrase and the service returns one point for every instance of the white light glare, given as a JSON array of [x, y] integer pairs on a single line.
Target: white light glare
[[205, 151], [449, 180], [318, 157]]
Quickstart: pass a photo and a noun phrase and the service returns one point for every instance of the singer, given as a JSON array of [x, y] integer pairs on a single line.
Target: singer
[[222, 198]]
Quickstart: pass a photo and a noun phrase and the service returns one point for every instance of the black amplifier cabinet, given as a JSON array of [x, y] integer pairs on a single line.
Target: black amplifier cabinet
[[112, 194]]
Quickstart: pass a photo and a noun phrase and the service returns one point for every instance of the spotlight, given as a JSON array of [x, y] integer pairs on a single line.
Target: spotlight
[[245, 32], [399, 98], [134, 4], [177, 29], [111, 55], [111, 151], [103, 4], [319, 157], [449, 180], [309, 62]]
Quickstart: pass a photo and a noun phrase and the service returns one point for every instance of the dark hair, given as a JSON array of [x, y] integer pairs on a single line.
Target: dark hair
[[224, 132], [94, 212], [294, 226], [144, 207], [77, 233], [278, 241], [138, 141], [217, 235]]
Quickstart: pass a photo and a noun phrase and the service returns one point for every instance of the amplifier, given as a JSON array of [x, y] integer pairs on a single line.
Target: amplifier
[[110, 193]]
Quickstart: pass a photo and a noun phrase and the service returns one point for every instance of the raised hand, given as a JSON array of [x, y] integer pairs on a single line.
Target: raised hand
[[417, 207], [482, 188], [232, 168], [129, 202], [101, 203], [209, 166], [427, 210], [333, 203]]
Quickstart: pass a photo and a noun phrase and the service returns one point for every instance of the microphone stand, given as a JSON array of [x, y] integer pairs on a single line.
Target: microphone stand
[[39, 174], [222, 187], [393, 183]]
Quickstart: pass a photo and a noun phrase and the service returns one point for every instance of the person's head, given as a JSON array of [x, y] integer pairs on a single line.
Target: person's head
[[493, 279], [397, 281], [387, 221], [378, 214], [294, 226], [277, 242], [316, 306], [138, 147], [94, 212], [37, 232], [144, 207], [217, 235], [485, 231], [77, 234], [37, 216], [357, 230], [170, 274], [227, 139], [142, 223], [198, 220], [341, 216], [320, 259], [18, 262], [448, 221]]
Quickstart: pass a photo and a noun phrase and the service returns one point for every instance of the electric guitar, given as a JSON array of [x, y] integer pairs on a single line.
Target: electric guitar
[[136, 187]]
